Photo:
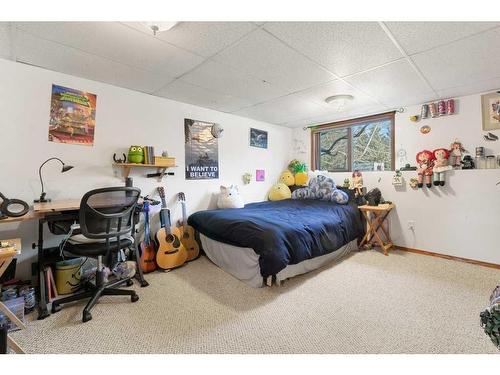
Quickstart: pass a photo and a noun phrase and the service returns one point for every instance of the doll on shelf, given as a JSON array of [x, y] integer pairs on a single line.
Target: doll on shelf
[[456, 152], [441, 156], [357, 183], [425, 161]]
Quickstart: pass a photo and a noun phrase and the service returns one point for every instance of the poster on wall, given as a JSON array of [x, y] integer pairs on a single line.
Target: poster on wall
[[258, 138], [491, 111], [72, 116], [202, 150]]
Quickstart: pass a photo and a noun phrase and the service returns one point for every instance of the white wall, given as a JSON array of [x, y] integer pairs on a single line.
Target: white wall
[[123, 118], [460, 219]]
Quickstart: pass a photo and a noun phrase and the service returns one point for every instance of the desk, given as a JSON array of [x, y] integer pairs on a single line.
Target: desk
[[6, 257], [66, 209], [375, 217]]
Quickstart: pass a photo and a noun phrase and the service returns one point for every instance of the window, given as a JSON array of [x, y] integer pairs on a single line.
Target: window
[[365, 143]]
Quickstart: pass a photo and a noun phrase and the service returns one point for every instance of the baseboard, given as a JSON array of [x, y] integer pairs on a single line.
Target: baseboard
[[450, 257]]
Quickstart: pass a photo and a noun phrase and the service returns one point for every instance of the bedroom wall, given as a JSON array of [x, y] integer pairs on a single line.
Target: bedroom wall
[[123, 118], [460, 219]]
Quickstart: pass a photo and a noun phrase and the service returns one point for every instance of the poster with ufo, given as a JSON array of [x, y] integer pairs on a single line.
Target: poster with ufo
[[202, 149]]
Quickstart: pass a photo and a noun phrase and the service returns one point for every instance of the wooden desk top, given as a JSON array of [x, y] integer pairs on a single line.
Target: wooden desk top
[[57, 206], [379, 208]]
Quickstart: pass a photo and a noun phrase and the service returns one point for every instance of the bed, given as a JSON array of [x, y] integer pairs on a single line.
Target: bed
[[277, 239]]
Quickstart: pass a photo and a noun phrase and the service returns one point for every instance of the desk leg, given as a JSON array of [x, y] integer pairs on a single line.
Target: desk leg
[[42, 296]]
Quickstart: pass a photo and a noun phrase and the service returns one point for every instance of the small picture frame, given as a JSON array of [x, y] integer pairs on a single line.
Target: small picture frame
[[490, 104], [260, 175], [258, 138]]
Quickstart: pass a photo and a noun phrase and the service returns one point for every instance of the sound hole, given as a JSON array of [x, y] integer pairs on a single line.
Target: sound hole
[[170, 238], [185, 235]]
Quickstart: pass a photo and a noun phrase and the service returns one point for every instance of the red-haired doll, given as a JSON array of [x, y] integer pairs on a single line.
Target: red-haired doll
[[425, 160], [441, 156]]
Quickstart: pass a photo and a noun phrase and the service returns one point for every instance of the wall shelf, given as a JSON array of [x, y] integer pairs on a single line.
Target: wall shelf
[[127, 167]]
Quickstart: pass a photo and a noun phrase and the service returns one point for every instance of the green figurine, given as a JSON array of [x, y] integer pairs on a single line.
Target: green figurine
[[136, 155], [347, 183]]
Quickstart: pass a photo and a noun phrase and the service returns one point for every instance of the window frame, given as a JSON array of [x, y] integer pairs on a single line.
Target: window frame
[[316, 131]]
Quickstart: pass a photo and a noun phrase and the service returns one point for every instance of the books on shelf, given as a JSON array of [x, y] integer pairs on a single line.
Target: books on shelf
[[149, 155]]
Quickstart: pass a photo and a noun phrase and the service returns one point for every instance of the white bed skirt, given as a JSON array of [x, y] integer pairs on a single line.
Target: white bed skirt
[[243, 262]]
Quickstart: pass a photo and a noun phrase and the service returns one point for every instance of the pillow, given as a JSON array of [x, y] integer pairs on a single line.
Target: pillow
[[322, 188]]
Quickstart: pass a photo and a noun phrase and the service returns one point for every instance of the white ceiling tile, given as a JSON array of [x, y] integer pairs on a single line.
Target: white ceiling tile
[[420, 36], [5, 40], [474, 88], [282, 110], [230, 81], [464, 62], [54, 56], [262, 55], [318, 94], [395, 84], [342, 47], [117, 42], [188, 93], [203, 38]]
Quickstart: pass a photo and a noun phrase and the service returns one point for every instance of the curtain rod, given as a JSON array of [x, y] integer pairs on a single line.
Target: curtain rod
[[398, 110]]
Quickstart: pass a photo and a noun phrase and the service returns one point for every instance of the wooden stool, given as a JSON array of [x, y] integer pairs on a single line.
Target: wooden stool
[[375, 217]]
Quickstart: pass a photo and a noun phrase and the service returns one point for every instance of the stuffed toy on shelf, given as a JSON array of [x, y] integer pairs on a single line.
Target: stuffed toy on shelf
[[441, 156], [425, 162], [456, 152]]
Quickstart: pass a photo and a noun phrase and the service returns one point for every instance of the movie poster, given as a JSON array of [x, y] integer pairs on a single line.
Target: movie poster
[[202, 150], [72, 116]]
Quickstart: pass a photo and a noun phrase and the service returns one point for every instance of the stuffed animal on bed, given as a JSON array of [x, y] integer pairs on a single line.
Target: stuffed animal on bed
[[230, 197], [279, 192], [322, 188], [287, 178]]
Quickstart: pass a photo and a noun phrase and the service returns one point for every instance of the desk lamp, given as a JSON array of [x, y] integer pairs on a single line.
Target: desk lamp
[[65, 168]]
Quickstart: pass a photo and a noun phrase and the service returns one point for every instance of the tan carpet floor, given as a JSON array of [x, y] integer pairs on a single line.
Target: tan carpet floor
[[368, 303]]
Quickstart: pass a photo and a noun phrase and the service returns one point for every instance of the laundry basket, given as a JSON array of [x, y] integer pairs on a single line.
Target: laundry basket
[[68, 275]]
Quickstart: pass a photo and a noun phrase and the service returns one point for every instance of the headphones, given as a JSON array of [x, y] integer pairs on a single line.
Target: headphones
[[10, 207]]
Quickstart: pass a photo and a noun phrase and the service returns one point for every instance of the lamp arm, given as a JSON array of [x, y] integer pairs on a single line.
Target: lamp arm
[[40, 170]]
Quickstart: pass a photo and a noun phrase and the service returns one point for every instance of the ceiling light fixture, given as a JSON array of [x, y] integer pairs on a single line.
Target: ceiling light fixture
[[339, 101], [158, 27]]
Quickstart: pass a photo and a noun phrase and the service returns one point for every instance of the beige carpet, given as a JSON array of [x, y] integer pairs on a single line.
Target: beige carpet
[[368, 303]]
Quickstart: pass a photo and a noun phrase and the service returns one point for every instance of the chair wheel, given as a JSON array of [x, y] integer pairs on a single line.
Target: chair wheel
[[86, 316], [129, 282], [144, 284], [134, 298], [55, 308]]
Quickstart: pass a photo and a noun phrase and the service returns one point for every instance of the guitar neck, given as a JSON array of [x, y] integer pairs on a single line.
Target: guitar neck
[[184, 215]]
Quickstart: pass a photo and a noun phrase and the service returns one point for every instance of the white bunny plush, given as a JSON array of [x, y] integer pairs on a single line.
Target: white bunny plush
[[230, 197]]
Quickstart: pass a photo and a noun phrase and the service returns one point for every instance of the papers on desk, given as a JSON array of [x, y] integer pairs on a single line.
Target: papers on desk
[[9, 247]]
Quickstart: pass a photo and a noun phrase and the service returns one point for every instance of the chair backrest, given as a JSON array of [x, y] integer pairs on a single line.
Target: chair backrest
[[108, 212]]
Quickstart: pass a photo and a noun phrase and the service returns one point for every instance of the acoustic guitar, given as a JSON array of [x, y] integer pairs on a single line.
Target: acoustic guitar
[[187, 232], [171, 253], [148, 253]]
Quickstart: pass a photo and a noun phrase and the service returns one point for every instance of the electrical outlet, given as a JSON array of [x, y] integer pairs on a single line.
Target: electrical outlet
[[411, 225]]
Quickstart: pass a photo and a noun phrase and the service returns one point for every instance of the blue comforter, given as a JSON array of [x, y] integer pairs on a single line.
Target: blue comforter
[[283, 232]]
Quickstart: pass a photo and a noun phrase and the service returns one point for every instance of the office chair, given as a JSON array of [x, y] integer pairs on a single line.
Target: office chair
[[107, 225]]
